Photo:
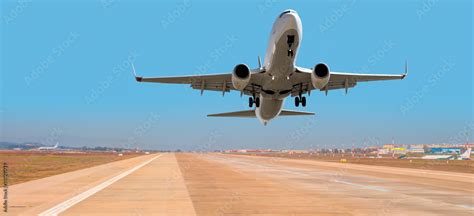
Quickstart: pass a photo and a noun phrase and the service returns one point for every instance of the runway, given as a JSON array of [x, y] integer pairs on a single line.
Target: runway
[[220, 184]]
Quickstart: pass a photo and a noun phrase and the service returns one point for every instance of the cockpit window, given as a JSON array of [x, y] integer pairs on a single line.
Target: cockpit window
[[285, 12]]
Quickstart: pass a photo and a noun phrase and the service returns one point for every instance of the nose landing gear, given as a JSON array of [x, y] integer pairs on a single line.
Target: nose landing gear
[[255, 101], [290, 39], [290, 53]]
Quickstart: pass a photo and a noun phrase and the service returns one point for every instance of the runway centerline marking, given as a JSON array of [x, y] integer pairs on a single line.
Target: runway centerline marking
[[61, 207]]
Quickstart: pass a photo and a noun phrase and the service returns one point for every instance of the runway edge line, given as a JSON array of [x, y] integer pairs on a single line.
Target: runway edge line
[[84, 195]]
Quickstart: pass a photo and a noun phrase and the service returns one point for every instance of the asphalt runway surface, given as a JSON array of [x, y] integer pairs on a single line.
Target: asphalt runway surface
[[221, 184]]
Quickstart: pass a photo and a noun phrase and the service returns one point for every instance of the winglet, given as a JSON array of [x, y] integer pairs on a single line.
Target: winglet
[[406, 70], [137, 78]]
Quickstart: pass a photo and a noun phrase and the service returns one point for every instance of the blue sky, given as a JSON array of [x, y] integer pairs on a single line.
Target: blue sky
[[65, 72]]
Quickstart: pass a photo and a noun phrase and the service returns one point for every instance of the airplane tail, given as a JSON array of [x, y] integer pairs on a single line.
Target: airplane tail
[[251, 114], [466, 154]]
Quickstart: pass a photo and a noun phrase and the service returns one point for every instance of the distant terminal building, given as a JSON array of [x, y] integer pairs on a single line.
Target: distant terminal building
[[393, 148], [416, 148], [447, 145], [388, 146], [249, 150], [399, 150], [295, 151], [446, 150]]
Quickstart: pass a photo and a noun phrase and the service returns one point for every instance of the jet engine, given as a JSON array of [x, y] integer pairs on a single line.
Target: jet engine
[[320, 76], [240, 76]]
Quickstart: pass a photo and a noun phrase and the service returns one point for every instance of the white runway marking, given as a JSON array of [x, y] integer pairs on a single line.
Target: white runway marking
[[467, 206], [78, 198], [381, 189]]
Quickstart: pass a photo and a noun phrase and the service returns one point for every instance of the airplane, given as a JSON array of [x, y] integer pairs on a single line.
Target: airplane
[[46, 148], [464, 156], [278, 77], [438, 157]]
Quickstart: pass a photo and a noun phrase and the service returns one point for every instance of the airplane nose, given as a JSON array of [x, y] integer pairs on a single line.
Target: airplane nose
[[290, 17]]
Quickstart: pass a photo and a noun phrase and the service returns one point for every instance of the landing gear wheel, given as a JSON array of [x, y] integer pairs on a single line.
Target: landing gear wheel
[[297, 101], [303, 101], [257, 102], [250, 102], [290, 53]]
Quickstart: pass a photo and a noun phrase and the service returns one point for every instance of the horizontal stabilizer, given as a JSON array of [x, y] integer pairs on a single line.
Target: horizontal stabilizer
[[251, 114], [238, 114], [294, 113]]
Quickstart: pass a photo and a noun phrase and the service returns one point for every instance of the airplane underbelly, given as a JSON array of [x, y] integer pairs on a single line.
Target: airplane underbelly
[[269, 108], [283, 59], [282, 65]]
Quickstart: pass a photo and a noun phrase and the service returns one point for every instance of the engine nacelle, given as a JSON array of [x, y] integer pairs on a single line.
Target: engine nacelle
[[240, 76], [320, 76]]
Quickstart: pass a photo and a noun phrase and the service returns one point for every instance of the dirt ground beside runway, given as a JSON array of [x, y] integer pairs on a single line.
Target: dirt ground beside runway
[[25, 166]]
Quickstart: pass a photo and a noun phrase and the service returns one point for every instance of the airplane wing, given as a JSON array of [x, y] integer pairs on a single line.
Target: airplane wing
[[251, 114], [211, 82], [338, 80]]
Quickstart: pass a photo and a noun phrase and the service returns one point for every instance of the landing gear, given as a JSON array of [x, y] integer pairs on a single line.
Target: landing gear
[[300, 99], [255, 101], [290, 40]]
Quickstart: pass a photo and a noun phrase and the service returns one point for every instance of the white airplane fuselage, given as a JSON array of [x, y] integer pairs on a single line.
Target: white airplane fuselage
[[279, 63], [49, 147]]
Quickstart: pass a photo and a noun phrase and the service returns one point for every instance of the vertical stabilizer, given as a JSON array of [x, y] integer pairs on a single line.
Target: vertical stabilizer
[[466, 154]]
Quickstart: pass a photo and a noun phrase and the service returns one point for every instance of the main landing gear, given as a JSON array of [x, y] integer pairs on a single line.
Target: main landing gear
[[300, 99], [255, 101]]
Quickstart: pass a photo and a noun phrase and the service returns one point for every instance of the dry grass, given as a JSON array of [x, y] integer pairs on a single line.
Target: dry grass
[[27, 165]]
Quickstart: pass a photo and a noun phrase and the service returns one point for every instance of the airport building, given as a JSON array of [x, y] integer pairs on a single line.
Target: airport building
[[416, 148], [393, 148], [399, 150]]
